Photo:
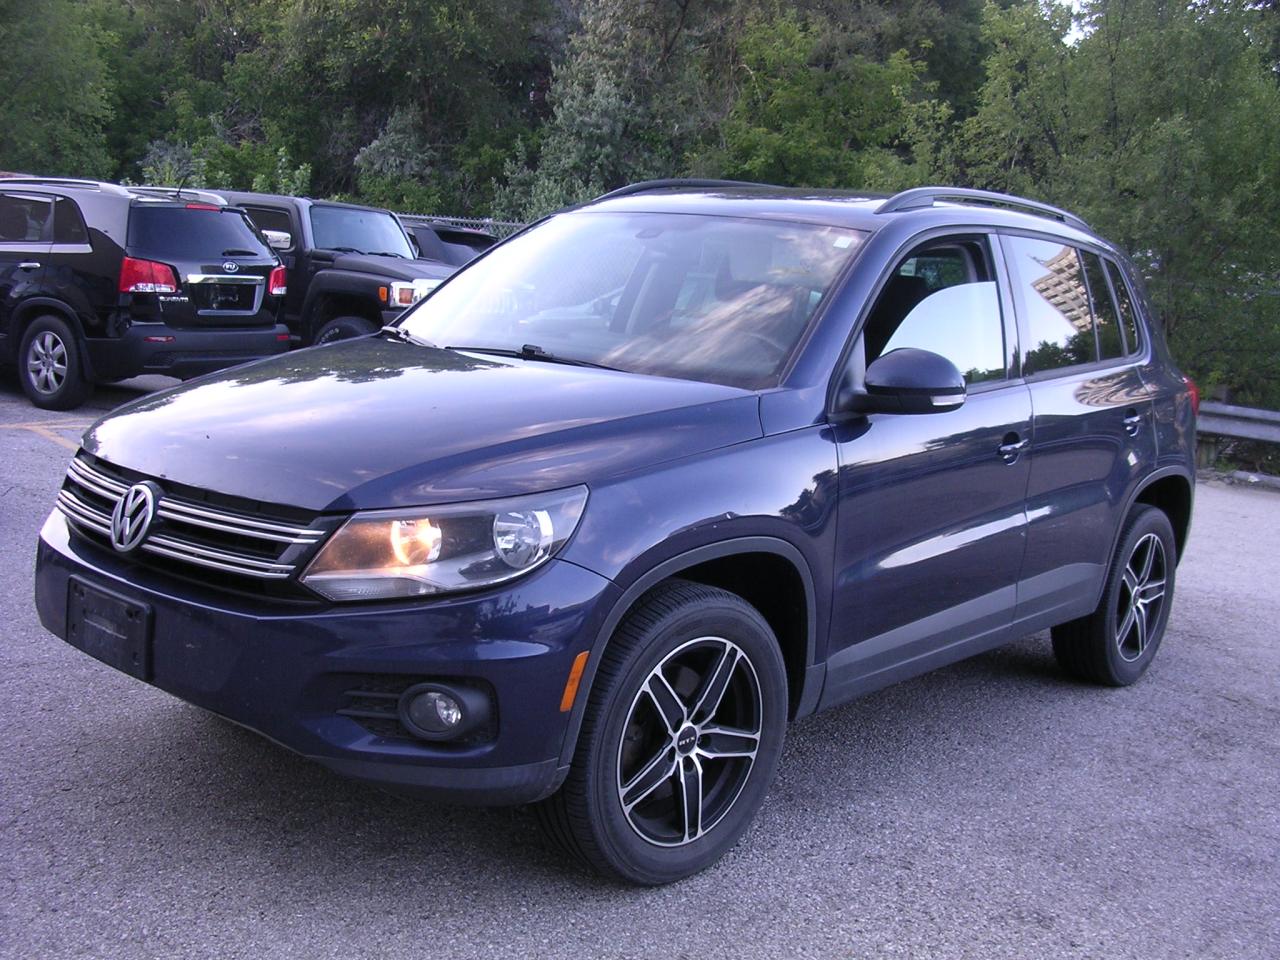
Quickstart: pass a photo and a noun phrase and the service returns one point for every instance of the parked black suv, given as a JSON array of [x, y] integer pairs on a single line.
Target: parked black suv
[[100, 282], [352, 268], [592, 536], [447, 242]]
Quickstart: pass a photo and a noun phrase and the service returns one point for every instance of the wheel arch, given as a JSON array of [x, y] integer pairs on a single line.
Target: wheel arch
[[1173, 492], [29, 310], [780, 587]]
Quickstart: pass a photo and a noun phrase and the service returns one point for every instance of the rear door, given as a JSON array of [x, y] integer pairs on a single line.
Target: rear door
[[25, 223], [220, 260], [1092, 432]]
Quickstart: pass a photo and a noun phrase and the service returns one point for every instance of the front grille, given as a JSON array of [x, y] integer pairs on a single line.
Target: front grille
[[195, 533]]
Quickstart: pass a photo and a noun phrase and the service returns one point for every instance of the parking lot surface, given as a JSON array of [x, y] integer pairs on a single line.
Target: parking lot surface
[[992, 809]]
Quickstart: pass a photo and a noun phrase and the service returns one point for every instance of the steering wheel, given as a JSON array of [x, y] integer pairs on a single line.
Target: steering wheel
[[780, 349]]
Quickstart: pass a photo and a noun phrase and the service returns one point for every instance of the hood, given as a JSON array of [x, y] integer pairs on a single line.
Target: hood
[[392, 267], [380, 422]]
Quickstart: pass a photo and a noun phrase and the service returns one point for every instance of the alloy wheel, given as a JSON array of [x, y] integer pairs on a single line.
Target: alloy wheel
[[690, 741], [47, 362], [1140, 597]]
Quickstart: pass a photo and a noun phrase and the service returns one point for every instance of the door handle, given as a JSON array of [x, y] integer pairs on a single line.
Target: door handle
[[1132, 422], [29, 265], [1012, 446]]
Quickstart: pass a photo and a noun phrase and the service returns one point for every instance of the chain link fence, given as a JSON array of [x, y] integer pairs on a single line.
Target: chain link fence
[[499, 228]]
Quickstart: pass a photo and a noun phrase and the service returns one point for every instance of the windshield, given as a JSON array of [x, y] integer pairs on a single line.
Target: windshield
[[674, 295], [364, 231]]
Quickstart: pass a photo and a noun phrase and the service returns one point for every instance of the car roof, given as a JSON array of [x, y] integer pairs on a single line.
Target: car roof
[[244, 196], [870, 211]]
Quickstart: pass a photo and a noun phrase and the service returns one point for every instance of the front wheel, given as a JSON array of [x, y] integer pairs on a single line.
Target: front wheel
[[344, 328], [50, 366], [680, 741], [1117, 642]]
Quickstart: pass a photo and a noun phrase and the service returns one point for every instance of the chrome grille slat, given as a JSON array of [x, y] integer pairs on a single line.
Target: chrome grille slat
[[181, 537]]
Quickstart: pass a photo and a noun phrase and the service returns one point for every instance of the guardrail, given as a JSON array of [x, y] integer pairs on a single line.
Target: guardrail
[[1222, 422]]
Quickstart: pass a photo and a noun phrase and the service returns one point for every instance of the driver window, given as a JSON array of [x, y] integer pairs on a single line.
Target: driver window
[[942, 297]]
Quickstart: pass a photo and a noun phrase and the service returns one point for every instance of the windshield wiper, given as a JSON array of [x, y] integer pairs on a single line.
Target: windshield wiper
[[400, 333], [344, 249], [531, 351], [386, 253], [237, 252]]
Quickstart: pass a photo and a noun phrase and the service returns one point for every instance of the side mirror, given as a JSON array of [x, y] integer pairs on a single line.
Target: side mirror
[[908, 380], [278, 239]]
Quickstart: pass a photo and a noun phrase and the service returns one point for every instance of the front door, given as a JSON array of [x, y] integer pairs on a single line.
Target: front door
[[24, 248], [931, 521]]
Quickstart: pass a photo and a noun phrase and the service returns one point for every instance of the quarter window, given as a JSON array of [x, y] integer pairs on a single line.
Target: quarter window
[[68, 225], [943, 299], [1128, 318], [270, 218], [1050, 288]]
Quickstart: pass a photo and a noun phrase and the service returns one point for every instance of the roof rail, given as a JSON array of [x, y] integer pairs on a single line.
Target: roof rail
[[63, 182], [178, 193], [920, 197], [646, 185]]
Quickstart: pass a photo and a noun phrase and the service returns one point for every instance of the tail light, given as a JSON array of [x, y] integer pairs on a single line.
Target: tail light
[[203, 206], [1194, 391], [276, 282], [147, 276]]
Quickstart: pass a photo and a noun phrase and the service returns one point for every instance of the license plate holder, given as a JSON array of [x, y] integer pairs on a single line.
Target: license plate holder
[[109, 627]]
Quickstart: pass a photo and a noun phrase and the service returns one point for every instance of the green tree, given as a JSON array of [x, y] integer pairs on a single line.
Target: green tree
[[55, 89]]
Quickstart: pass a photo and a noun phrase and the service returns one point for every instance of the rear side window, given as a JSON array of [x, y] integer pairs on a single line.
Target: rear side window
[[183, 233], [1105, 317], [942, 299], [24, 219], [1049, 287], [271, 218], [1128, 318], [68, 225]]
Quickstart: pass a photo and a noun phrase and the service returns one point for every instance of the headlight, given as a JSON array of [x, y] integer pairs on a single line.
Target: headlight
[[407, 293], [412, 553]]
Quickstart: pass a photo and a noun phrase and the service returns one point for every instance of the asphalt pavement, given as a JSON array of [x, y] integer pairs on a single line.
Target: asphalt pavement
[[992, 809]]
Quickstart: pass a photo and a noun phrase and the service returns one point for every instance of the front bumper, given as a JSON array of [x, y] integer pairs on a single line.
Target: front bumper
[[284, 670], [144, 348]]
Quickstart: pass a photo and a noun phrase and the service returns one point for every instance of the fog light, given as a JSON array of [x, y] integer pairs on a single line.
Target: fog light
[[441, 711], [435, 712]]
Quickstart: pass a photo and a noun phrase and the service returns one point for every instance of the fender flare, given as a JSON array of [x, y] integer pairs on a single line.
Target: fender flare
[[340, 283], [1156, 475], [814, 674]]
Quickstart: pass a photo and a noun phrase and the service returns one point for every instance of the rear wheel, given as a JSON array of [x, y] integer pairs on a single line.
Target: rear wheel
[[681, 738], [1117, 642], [49, 365], [344, 328]]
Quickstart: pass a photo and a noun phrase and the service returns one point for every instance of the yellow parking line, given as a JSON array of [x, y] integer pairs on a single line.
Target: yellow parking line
[[46, 428]]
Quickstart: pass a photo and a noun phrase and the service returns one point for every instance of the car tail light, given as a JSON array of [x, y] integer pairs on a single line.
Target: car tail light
[[203, 206], [147, 276], [276, 283], [1194, 391]]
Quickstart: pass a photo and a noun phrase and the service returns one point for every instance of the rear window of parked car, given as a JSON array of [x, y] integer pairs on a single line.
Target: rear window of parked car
[[184, 233]]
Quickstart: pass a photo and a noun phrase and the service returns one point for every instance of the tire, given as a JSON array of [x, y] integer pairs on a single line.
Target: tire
[[50, 366], [1117, 642], [344, 328], [678, 636]]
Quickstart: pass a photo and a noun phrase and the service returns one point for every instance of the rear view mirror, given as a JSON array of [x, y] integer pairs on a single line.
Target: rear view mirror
[[278, 239], [907, 380]]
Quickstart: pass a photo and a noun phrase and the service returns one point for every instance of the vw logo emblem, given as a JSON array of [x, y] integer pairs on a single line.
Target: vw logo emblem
[[231, 266], [131, 519]]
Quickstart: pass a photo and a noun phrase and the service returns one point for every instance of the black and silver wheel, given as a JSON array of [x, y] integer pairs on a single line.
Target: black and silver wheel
[[49, 365], [1117, 642], [681, 738], [344, 328]]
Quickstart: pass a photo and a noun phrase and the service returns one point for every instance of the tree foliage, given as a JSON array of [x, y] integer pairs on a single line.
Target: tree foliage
[[1157, 121]]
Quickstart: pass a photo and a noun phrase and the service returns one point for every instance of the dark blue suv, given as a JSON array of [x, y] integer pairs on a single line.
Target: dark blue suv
[[639, 485]]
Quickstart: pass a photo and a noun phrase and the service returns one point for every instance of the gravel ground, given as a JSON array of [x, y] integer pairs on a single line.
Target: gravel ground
[[992, 809]]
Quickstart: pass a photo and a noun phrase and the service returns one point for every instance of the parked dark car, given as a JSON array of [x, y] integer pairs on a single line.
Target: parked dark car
[[100, 282], [352, 268], [591, 537], [447, 242]]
